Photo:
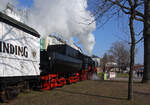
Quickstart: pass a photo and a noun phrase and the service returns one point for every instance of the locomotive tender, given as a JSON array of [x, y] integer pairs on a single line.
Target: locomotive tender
[[24, 65]]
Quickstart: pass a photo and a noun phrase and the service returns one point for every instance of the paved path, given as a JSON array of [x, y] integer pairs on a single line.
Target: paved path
[[126, 79]]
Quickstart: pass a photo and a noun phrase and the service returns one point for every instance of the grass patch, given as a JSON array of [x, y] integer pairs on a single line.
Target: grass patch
[[100, 74], [122, 75], [87, 93]]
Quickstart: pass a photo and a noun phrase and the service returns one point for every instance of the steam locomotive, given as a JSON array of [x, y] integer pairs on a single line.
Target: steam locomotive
[[25, 65]]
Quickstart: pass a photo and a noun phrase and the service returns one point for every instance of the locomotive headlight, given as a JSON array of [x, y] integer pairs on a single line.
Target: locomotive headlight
[[34, 54]]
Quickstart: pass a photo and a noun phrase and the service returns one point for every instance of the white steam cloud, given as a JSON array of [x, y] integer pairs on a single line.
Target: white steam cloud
[[66, 17], [95, 77], [69, 18], [3, 3]]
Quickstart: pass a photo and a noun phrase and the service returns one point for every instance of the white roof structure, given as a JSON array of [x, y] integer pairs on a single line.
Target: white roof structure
[[54, 40]]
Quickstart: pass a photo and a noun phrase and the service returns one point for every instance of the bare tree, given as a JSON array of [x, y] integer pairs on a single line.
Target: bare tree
[[146, 76], [121, 52], [106, 58], [138, 10], [134, 9]]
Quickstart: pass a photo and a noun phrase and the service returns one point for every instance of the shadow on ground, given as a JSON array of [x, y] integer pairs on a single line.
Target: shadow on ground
[[117, 81], [142, 93], [93, 95]]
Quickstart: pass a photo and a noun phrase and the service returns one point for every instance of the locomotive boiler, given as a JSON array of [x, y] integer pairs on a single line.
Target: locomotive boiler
[[60, 59]]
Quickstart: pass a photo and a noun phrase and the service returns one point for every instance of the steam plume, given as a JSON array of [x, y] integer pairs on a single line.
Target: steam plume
[[3, 3], [66, 17], [70, 18], [95, 77]]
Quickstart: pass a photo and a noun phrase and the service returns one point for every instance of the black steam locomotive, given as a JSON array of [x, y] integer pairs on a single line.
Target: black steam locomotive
[[59, 64]]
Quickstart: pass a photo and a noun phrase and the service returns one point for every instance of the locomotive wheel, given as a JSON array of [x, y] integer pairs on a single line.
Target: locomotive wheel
[[12, 93], [4, 96], [26, 87], [19, 90], [9, 94], [68, 82]]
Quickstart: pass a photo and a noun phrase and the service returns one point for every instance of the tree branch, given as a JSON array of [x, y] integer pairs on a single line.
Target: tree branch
[[139, 14], [139, 40], [139, 33], [139, 19], [130, 3], [127, 8], [135, 3], [118, 4]]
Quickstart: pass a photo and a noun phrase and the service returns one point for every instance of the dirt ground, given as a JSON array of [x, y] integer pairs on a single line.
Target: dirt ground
[[87, 93]]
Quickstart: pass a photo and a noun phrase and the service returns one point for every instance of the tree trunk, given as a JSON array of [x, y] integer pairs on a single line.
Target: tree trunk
[[146, 34], [132, 49]]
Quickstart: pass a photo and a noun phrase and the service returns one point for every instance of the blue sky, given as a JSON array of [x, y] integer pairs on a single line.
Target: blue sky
[[25, 3], [104, 36]]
